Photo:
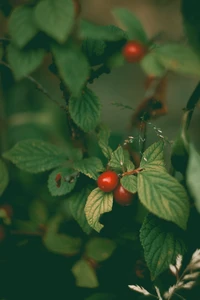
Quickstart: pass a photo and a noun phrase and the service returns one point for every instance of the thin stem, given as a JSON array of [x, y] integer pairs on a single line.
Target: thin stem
[[38, 86], [132, 172]]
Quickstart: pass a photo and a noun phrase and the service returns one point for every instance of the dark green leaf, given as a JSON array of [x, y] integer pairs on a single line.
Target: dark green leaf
[[100, 249], [65, 185], [103, 141], [85, 110], [25, 226], [179, 154], [22, 27], [76, 204], [117, 159], [4, 178], [152, 66], [84, 274], [97, 204], [161, 242], [38, 212], [193, 173], [72, 65], [116, 60], [60, 243], [129, 182], [100, 32], [55, 18], [153, 157], [35, 156], [164, 196], [94, 50], [89, 166], [133, 25], [24, 62]]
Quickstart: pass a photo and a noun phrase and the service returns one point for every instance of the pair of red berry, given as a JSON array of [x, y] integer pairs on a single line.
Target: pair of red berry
[[134, 51], [108, 182]]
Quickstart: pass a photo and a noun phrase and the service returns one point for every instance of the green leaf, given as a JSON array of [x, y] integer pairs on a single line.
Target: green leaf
[[179, 153], [85, 110], [22, 27], [164, 196], [66, 184], [129, 182], [24, 62], [55, 18], [84, 274], [35, 156], [97, 204], [153, 157], [76, 204], [72, 65], [192, 175], [94, 50], [4, 177], [89, 166], [161, 242], [116, 60], [38, 212], [58, 242], [133, 25], [179, 58], [100, 32], [100, 249], [117, 159], [130, 166], [26, 226], [152, 66], [103, 141]]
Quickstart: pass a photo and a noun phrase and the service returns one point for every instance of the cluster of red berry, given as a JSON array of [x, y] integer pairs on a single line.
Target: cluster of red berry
[[108, 182]]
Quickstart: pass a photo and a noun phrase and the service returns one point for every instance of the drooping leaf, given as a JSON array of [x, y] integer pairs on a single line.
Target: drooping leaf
[[133, 25], [72, 65], [89, 166], [76, 204], [129, 182], [100, 32], [100, 249], [55, 18], [153, 157], [152, 66], [97, 204], [35, 156], [66, 183], [84, 274], [103, 141], [38, 212], [4, 177], [164, 196], [162, 242], [193, 173], [24, 62], [22, 26], [117, 159], [58, 242], [85, 110]]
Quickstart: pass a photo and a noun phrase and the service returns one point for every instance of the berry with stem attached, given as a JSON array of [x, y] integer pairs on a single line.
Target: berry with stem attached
[[108, 181]]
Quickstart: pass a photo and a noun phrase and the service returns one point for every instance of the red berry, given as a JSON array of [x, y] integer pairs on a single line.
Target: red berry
[[134, 51], [108, 181], [122, 196]]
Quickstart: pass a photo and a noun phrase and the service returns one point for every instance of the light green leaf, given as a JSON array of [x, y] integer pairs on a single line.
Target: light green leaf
[[85, 275], [103, 141], [35, 156], [67, 182], [89, 166], [153, 157], [117, 159], [192, 175], [179, 58], [100, 32], [161, 242], [21, 26], [130, 166], [38, 212], [100, 249], [76, 204], [152, 66], [4, 177], [133, 25], [72, 65], [129, 182], [24, 62], [164, 196], [97, 204], [55, 18], [58, 242], [85, 110]]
